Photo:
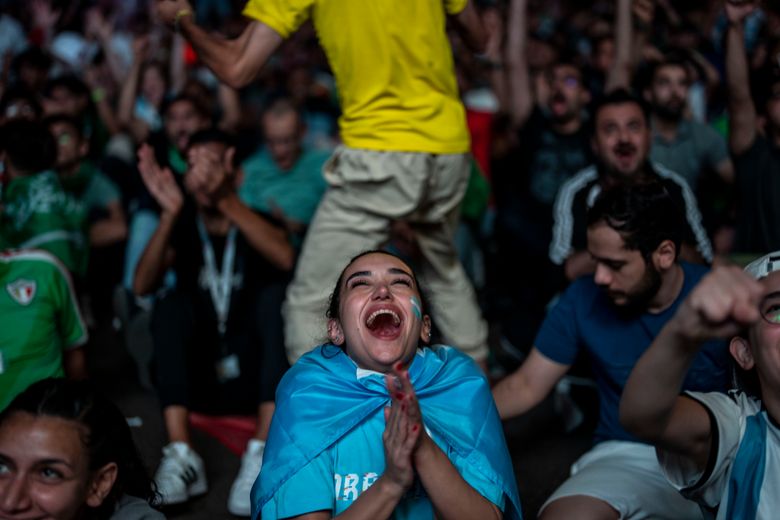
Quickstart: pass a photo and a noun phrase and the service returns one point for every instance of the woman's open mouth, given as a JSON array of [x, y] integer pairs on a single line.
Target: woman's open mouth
[[384, 323]]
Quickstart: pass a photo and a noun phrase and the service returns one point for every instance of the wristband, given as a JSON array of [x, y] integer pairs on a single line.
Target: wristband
[[181, 13], [98, 94]]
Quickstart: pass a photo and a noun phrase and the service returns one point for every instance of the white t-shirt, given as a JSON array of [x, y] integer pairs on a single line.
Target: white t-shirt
[[740, 427]]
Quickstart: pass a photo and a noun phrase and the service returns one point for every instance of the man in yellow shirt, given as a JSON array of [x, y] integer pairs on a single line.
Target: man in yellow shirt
[[405, 153]]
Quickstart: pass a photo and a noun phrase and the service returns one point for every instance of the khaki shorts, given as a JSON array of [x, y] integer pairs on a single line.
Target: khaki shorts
[[368, 191], [627, 476]]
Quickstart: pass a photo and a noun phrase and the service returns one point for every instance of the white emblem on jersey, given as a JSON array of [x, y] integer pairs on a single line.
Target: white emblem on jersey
[[23, 291]]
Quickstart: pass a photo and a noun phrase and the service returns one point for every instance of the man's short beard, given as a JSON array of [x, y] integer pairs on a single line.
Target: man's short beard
[[673, 115], [640, 296]]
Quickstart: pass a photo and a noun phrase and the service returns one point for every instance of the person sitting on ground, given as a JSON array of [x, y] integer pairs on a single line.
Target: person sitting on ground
[[81, 179], [720, 450], [387, 418], [67, 453], [218, 336], [284, 178], [42, 332], [70, 95], [35, 211], [634, 235], [182, 116]]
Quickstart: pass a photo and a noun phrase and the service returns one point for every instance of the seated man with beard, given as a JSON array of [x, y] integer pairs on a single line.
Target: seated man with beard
[[633, 235]]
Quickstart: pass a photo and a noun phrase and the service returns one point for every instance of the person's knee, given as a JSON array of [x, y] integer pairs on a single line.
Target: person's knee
[[579, 506]]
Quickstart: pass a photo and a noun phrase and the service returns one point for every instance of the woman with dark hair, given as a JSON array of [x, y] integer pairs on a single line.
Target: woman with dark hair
[[67, 453], [376, 423]]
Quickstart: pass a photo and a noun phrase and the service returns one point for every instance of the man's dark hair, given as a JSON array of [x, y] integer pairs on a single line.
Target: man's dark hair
[[29, 146], [211, 135], [567, 61], [195, 102], [674, 58], [618, 97], [70, 83], [32, 56], [643, 214]]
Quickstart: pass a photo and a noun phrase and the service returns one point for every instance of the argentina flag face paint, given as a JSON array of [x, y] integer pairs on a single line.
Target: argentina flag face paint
[[416, 309]]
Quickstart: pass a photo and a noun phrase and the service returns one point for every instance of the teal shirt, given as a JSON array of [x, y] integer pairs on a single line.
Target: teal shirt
[[91, 187], [295, 193]]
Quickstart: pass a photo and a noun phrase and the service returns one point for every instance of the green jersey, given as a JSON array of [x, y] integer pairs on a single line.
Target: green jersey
[[39, 318], [38, 213]]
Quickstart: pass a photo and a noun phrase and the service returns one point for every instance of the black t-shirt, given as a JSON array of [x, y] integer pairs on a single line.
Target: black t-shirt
[[251, 269], [758, 185], [527, 180]]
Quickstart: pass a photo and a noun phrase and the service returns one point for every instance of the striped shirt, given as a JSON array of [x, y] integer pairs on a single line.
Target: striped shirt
[[579, 193]]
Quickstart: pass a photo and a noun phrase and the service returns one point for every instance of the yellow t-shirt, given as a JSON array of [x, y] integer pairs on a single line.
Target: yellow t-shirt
[[393, 67]]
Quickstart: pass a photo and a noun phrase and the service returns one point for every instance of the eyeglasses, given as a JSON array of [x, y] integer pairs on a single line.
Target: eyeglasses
[[770, 309], [568, 80]]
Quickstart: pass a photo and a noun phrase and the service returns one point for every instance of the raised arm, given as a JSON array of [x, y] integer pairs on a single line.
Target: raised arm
[[724, 301], [234, 61], [469, 25], [528, 385], [129, 91], [742, 111], [620, 74], [216, 177], [157, 255], [269, 240], [521, 98]]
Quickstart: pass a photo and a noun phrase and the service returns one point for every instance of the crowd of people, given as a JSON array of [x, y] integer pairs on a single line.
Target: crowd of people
[[582, 181]]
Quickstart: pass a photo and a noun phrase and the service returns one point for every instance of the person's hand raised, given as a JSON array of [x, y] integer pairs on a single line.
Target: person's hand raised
[[403, 430], [210, 173], [738, 10], [720, 306], [168, 11], [160, 182]]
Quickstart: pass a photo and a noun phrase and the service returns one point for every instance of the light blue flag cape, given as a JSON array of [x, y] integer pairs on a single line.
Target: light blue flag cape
[[321, 393], [747, 472]]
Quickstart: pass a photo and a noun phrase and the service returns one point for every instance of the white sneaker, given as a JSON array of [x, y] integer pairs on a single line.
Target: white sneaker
[[239, 502], [181, 474]]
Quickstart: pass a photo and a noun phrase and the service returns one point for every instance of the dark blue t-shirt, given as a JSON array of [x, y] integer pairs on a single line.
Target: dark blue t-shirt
[[585, 318]]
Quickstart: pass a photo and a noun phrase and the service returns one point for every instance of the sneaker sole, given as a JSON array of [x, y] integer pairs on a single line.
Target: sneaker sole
[[198, 488]]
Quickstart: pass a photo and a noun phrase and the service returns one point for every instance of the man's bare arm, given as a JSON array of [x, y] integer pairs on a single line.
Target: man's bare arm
[[742, 111], [521, 98], [470, 28], [528, 385], [234, 61]]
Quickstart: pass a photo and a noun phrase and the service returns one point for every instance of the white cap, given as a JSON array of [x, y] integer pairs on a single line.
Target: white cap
[[764, 266]]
